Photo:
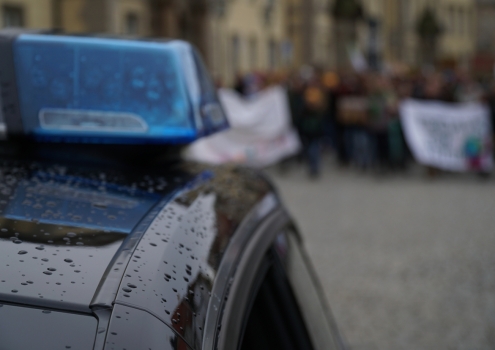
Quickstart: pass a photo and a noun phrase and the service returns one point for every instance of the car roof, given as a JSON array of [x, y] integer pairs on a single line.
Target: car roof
[[60, 230], [77, 239]]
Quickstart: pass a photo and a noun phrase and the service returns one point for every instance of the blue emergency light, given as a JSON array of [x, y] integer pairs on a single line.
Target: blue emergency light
[[58, 88]]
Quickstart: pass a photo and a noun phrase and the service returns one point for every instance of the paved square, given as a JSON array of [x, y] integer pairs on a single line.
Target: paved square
[[407, 262]]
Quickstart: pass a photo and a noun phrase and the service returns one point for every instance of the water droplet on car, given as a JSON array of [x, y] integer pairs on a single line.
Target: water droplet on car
[[68, 260], [14, 291], [47, 273], [99, 205], [22, 252], [40, 248], [51, 269], [71, 234]]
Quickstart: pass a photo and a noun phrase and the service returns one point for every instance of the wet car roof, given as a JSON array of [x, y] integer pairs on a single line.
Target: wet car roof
[[60, 231], [75, 239]]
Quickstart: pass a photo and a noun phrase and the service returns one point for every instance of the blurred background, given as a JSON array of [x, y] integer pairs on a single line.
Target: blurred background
[[399, 226], [241, 36]]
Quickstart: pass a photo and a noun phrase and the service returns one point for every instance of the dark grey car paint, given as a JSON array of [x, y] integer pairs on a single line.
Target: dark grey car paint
[[52, 265]]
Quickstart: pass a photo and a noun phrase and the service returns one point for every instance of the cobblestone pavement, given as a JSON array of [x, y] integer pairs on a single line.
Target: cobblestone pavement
[[407, 262]]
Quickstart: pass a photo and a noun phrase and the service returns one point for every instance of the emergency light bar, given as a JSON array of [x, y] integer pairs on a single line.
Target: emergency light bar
[[58, 88]]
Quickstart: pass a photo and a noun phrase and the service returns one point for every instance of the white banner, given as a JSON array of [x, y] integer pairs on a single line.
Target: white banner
[[261, 132], [455, 137]]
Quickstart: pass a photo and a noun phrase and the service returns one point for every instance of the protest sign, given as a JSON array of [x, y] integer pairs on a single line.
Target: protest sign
[[261, 132], [455, 137], [353, 110]]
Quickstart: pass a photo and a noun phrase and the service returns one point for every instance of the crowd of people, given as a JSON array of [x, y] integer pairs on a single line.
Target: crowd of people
[[357, 115]]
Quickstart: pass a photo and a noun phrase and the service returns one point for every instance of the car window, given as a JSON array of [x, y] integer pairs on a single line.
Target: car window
[[28, 328], [274, 319], [309, 295]]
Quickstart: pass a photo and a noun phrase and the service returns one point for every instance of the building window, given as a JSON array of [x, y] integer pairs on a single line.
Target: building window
[[253, 52], [13, 16], [236, 54], [131, 24], [272, 54]]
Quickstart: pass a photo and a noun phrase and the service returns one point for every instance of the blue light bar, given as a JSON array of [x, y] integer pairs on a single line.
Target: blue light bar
[[100, 90]]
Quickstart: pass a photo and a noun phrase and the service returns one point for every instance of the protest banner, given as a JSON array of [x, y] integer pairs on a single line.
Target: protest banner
[[454, 137], [261, 132], [353, 110]]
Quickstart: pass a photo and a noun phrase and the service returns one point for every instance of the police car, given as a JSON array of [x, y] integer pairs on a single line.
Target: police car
[[107, 239]]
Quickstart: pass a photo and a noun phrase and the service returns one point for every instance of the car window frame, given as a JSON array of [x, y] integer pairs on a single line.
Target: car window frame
[[245, 284], [275, 293], [240, 292]]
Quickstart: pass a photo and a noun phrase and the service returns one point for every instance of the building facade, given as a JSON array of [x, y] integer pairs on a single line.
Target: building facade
[[248, 35], [456, 20], [26, 13], [239, 36]]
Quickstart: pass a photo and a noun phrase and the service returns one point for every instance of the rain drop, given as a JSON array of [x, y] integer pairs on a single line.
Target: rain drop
[[68, 260], [22, 252]]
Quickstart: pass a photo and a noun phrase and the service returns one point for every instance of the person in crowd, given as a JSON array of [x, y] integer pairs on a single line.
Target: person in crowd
[[468, 89], [239, 84], [311, 124], [330, 83], [381, 105]]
